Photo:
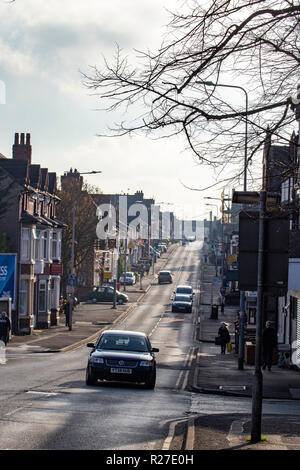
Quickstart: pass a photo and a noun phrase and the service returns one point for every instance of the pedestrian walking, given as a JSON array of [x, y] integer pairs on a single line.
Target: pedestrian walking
[[269, 342], [5, 328], [224, 336]]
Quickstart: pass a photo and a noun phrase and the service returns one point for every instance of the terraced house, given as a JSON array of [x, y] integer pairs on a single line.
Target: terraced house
[[28, 205]]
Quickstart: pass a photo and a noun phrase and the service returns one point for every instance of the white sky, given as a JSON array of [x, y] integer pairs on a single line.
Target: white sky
[[43, 45]]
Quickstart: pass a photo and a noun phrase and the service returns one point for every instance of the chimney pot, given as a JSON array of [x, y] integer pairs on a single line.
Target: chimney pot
[[22, 151]]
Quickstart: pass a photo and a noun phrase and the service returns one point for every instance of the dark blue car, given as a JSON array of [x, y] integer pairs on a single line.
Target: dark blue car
[[121, 355]]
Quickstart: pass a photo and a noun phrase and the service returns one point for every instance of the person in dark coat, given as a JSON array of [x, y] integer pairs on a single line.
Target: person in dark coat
[[224, 335], [4, 328], [269, 342]]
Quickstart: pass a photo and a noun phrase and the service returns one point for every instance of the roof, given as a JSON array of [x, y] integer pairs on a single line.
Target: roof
[[45, 180], [52, 183], [35, 175], [124, 332], [18, 169], [35, 219]]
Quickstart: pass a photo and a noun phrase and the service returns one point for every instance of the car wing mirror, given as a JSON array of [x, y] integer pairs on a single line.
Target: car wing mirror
[[155, 350], [90, 345]]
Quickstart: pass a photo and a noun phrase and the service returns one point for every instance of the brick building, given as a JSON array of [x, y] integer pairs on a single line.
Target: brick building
[[28, 219]]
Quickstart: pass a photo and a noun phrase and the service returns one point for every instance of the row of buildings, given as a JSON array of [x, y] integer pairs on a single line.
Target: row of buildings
[[281, 177], [47, 229]]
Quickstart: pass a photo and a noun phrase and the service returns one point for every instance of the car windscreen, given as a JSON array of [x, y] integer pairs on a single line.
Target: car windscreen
[[182, 298], [183, 290], [164, 274], [123, 343]]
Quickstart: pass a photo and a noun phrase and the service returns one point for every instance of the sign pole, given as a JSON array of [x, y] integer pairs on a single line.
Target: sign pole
[[258, 378]]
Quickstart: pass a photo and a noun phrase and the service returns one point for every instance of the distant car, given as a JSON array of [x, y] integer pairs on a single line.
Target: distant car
[[121, 355], [165, 277], [185, 290], [129, 278], [106, 294], [182, 303], [162, 247]]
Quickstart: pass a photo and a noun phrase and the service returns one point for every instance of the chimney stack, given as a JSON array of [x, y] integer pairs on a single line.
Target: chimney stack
[[22, 149]]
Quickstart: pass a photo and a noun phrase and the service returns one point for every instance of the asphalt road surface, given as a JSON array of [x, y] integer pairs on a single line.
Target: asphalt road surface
[[45, 403]]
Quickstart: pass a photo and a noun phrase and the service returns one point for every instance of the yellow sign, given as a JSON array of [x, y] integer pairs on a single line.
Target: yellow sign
[[107, 275], [232, 259]]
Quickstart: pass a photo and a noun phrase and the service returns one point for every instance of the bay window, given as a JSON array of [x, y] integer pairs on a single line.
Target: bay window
[[37, 245], [42, 296], [23, 297], [25, 244], [44, 245]]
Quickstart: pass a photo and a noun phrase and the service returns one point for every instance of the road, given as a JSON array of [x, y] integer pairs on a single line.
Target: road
[[45, 403]]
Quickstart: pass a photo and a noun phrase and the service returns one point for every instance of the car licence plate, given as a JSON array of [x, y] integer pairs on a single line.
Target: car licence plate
[[115, 370]]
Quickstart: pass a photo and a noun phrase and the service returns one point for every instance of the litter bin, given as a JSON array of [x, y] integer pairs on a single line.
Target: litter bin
[[214, 312]]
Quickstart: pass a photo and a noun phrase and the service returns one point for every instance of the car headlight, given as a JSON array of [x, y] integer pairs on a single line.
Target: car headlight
[[146, 364], [98, 360]]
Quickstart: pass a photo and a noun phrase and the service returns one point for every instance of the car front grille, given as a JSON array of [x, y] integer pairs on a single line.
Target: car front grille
[[124, 363]]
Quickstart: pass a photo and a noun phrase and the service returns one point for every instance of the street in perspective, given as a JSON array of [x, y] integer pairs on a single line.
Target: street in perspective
[[150, 287]]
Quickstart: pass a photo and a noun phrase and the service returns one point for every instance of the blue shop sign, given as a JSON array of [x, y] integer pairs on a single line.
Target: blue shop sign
[[8, 269]]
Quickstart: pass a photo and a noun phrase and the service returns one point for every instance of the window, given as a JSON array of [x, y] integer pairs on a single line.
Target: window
[[23, 297], [55, 245], [51, 302], [44, 245], [42, 296], [25, 244], [37, 245]]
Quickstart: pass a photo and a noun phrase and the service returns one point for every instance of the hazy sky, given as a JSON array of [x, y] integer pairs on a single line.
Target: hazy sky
[[43, 45]]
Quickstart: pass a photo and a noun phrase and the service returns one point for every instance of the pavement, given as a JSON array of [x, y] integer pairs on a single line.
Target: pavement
[[217, 374], [89, 319]]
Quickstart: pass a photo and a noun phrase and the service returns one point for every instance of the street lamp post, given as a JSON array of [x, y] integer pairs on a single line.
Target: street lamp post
[[222, 228], [73, 252], [242, 293], [264, 199]]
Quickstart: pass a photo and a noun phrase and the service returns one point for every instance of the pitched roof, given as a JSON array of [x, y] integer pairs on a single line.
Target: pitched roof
[[45, 181], [18, 169], [35, 175], [52, 189]]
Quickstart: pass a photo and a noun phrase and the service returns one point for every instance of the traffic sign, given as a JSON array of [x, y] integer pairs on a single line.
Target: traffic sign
[[72, 280]]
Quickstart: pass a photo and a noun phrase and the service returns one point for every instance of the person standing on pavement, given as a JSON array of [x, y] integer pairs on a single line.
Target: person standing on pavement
[[269, 342], [224, 335], [4, 328]]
